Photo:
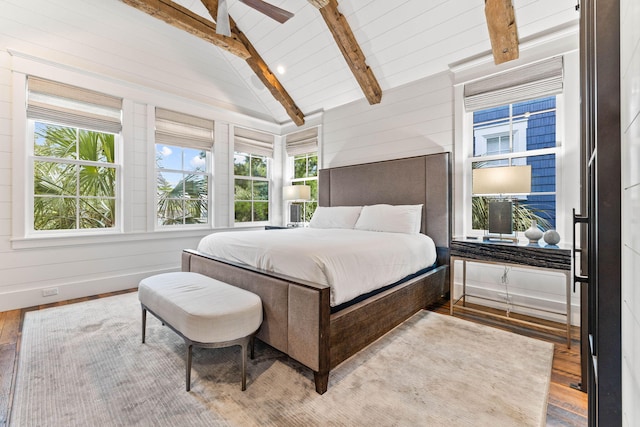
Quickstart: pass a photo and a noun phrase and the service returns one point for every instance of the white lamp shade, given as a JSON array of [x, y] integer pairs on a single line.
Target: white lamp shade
[[297, 192], [502, 180]]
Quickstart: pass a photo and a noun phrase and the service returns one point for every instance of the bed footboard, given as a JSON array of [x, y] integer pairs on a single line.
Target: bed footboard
[[355, 327], [297, 318], [296, 313]]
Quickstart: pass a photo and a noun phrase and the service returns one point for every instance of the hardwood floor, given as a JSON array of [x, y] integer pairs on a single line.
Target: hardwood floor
[[566, 406]]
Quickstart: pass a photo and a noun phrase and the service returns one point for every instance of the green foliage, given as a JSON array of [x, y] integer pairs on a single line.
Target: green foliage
[[68, 195], [243, 212], [186, 203], [251, 195], [522, 215], [306, 166]]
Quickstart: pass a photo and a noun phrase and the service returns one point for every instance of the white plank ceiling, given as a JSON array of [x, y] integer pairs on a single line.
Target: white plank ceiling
[[403, 41]]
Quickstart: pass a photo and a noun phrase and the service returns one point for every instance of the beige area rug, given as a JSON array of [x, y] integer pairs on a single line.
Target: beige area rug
[[84, 365]]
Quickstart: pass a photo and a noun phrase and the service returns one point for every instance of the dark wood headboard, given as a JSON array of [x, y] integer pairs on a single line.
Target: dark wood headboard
[[422, 180]]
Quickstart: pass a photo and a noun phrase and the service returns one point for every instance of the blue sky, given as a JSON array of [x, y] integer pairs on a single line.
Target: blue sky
[[178, 158]]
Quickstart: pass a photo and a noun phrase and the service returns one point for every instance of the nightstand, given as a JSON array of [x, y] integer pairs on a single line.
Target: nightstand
[[528, 256]]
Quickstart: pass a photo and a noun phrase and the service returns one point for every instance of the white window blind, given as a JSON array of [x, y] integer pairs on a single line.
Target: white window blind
[[253, 142], [303, 142], [532, 81], [178, 129], [68, 105]]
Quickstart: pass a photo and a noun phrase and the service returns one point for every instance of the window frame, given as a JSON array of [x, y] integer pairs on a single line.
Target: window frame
[[267, 179], [291, 168], [31, 159], [470, 158], [208, 173]]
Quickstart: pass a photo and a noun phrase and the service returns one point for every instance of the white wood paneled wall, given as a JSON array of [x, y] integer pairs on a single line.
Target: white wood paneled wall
[[88, 265], [630, 99], [411, 120], [94, 39]]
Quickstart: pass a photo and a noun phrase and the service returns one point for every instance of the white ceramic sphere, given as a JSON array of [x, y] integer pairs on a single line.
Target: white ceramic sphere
[[551, 237]]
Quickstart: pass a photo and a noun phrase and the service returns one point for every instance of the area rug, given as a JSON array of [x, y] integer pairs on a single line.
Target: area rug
[[84, 364]]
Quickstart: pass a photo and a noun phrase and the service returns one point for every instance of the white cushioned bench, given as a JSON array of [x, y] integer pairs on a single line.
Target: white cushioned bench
[[205, 312]]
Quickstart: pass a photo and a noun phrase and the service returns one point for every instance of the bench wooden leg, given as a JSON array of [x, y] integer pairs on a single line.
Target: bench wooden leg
[[189, 352]]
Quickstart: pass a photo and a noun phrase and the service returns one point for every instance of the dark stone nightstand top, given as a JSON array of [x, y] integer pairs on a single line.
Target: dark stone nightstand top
[[530, 255]]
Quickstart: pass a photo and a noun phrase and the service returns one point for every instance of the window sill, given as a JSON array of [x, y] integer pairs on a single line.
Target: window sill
[[49, 241]]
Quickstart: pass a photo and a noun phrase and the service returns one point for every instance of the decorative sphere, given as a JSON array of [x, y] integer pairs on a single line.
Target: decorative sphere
[[551, 237]]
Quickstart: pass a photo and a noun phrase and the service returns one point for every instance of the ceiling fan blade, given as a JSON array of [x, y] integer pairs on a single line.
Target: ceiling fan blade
[[222, 19], [270, 10]]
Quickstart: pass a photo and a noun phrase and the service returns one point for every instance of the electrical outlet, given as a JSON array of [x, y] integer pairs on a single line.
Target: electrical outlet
[[49, 292]]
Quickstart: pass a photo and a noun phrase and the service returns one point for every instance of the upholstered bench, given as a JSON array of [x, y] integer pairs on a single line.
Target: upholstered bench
[[205, 312]]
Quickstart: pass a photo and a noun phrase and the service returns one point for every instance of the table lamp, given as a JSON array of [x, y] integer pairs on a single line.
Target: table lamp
[[499, 182], [296, 193]]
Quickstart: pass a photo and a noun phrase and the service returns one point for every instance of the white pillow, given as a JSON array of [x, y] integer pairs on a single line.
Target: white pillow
[[391, 218], [335, 217]]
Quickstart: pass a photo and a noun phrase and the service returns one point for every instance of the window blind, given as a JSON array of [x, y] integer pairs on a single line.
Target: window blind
[[73, 106], [532, 81], [253, 142], [302, 142], [178, 129]]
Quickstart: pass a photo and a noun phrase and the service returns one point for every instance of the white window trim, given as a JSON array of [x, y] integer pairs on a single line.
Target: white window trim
[[564, 41], [208, 174], [22, 170], [268, 179], [31, 159], [153, 190], [469, 159], [152, 196], [290, 172]]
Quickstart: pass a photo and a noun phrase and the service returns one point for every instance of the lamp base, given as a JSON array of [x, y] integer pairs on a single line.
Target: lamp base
[[294, 213], [499, 238]]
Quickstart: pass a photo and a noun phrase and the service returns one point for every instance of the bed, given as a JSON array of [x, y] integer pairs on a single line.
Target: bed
[[298, 317]]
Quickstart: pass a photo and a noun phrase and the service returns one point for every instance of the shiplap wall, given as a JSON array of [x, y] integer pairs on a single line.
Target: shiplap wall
[[411, 120], [90, 40], [630, 87], [88, 265], [420, 118], [5, 152]]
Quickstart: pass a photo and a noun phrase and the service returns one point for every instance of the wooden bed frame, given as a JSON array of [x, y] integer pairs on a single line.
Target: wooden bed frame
[[297, 315]]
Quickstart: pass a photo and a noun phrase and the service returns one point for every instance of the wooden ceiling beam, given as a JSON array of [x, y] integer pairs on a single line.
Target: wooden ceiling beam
[[350, 48], [501, 21], [182, 18], [260, 68]]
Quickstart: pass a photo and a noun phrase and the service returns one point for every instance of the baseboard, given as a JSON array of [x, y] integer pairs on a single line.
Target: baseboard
[[521, 299], [68, 291]]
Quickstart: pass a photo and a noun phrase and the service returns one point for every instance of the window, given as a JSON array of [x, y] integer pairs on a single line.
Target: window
[[514, 123], [531, 141], [302, 149], [252, 153], [183, 173], [305, 172], [76, 170]]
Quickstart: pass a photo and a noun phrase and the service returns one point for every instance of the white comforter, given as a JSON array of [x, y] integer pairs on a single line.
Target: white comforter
[[351, 262]]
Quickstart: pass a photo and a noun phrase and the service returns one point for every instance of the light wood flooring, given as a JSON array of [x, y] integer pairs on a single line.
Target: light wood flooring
[[566, 407]]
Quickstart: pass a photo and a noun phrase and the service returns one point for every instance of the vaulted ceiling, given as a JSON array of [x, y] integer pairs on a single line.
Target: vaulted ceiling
[[401, 41]]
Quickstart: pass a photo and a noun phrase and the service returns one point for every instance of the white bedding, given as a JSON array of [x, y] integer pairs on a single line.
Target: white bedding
[[351, 262]]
